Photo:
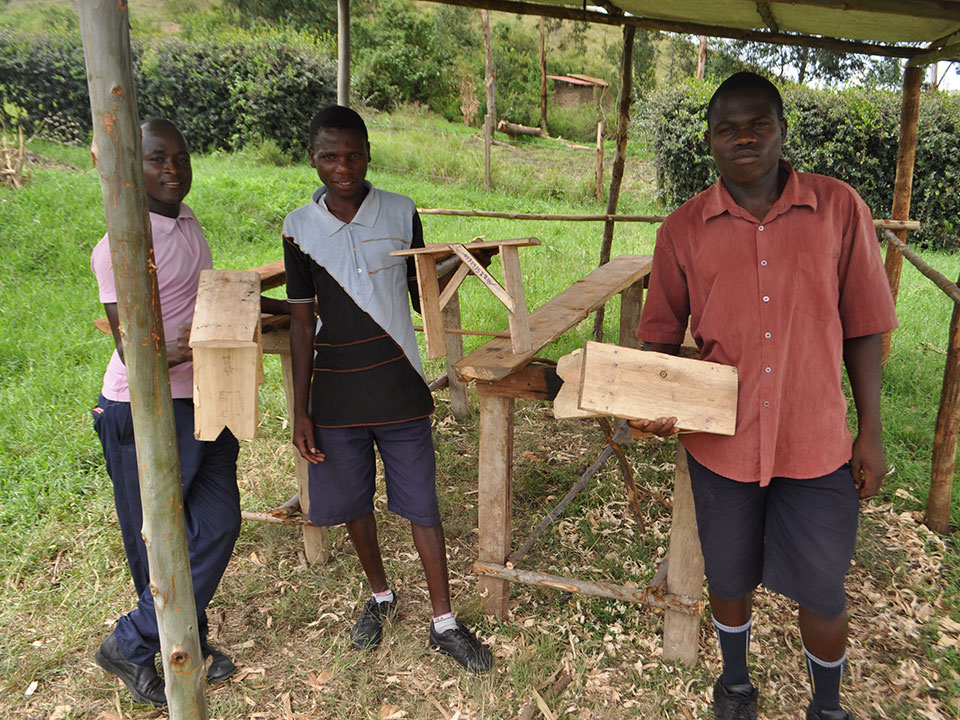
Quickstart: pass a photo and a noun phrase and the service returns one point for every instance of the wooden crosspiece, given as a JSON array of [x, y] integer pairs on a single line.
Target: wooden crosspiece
[[433, 300]]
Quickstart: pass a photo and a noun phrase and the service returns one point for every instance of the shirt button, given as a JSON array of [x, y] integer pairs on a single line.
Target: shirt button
[[766, 298], [766, 403], [360, 271], [768, 369], [767, 335], [763, 262], [760, 228]]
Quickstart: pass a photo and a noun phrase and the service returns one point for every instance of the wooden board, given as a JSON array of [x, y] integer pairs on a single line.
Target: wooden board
[[567, 403], [227, 365], [628, 383], [495, 359], [443, 250]]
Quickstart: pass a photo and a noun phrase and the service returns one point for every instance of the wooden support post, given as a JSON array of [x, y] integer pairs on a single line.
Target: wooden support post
[[343, 53], [116, 151], [619, 158], [454, 346], [598, 174], [430, 304], [316, 543], [513, 282], [945, 437], [685, 572], [489, 83], [494, 496], [906, 153], [543, 75], [631, 307]]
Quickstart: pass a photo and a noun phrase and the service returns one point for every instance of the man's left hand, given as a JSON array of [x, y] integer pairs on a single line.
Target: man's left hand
[[868, 464]]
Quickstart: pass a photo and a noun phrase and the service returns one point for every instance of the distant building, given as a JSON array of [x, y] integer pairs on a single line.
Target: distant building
[[571, 90]]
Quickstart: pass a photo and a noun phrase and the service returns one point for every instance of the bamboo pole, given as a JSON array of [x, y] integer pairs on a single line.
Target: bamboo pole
[[543, 75], [943, 462], [104, 28], [619, 159], [906, 153], [343, 52], [489, 84]]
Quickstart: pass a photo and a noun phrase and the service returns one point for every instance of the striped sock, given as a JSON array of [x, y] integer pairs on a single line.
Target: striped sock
[[735, 648], [825, 680], [442, 623], [386, 596]]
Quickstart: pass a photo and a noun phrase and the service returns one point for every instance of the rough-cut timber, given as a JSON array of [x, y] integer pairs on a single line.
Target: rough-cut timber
[[495, 360], [685, 571], [104, 28], [495, 487]]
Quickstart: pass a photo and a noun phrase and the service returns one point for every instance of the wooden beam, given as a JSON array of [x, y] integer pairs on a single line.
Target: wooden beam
[[949, 52], [495, 488], [453, 343], [683, 27], [685, 571], [495, 360], [944, 458], [939, 279], [619, 159], [534, 382], [513, 282], [449, 292], [906, 153], [486, 278], [116, 151], [430, 304], [763, 8], [343, 54]]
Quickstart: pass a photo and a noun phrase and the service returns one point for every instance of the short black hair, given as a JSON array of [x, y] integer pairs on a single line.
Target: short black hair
[[337, 117], [747, 81], [162, 122]]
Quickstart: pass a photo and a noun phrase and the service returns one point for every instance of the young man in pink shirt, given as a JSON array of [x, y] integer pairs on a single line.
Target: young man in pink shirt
[[208, 470], [780, 275]]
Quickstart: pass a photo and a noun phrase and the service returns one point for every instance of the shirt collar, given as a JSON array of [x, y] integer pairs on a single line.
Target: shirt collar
[[366, 214], [795, 192], [161, 224]]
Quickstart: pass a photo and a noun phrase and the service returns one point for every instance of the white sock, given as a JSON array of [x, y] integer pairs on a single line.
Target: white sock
[[386, 596], [442, 623]]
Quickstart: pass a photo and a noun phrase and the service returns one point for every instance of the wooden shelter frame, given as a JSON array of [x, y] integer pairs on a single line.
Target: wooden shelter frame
[[104, 29]]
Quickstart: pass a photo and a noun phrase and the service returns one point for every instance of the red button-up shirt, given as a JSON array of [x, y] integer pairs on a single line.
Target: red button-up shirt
[[775, 298]]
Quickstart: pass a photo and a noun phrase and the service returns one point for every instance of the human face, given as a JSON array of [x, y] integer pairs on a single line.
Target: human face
[[166, 169], [340, 158], [746, 137]]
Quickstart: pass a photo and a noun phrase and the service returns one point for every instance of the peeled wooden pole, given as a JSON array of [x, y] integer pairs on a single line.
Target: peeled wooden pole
[[945, 436], [490, 85], [104, 27], [906, 153], [343, 52], [619, 158], [543, 76]]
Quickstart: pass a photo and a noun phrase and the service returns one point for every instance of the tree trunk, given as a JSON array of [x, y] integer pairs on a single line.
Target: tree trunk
[[343, 53], [543, 76], [702, 58], [116, 152], [489, 83], [619, 158]]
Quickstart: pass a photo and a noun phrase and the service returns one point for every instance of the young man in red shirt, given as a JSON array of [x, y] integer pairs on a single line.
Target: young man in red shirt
[[780, 275]]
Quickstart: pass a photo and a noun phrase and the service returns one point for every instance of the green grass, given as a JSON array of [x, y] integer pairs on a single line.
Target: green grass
[[62, 571]]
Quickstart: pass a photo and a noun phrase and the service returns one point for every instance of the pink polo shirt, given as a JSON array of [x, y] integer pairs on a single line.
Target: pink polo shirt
[[181, 252], [775, 298]]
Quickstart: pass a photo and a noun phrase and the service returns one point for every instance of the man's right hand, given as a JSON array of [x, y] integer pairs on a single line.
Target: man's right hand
[[661, 427], [303, 439]]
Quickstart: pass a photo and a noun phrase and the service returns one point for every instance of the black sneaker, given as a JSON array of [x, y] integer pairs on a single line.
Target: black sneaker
[[368, 630], [838, 714], [737, 702], [463, 646], [221, 667], [141, 680]]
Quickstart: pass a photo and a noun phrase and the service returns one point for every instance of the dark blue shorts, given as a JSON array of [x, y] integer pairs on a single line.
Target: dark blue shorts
[[342, 486], [795, 536]]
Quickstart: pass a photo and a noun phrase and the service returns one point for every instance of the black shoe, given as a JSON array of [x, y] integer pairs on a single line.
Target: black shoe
[[221, 667], [737, 702], [462, 646], [141, 680], [822, 714], [368, 630]]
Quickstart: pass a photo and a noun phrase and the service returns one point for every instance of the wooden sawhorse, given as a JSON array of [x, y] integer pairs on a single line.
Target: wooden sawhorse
[[502, 376]]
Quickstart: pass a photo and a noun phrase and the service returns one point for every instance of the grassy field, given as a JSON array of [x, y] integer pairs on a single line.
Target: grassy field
[[63, 578]]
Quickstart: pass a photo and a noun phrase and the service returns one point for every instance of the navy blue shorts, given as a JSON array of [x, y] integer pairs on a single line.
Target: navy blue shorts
[[342, 486], [795, 536]]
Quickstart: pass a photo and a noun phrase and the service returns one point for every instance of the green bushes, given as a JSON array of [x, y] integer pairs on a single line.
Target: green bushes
[[223, 91], [851, 135]]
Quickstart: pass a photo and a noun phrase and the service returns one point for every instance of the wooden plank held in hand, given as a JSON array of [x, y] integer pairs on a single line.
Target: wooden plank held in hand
[[225, 339], [566, 404], [628, 383]]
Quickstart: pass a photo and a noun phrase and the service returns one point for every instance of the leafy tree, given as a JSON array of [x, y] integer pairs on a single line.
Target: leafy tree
[[317, 15]]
